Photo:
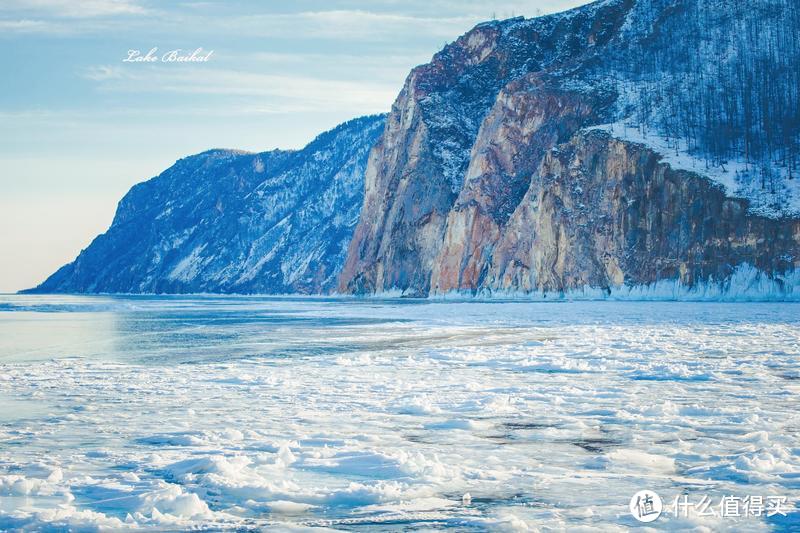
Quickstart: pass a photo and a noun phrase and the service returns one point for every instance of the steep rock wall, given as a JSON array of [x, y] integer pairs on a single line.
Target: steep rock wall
[[416, 173], [604, 213]]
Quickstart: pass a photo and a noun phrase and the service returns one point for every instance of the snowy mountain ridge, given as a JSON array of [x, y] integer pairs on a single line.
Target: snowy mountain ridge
[[622, 147], [234, 222]]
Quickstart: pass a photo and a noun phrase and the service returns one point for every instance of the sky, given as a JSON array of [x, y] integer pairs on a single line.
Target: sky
[[79, 126]]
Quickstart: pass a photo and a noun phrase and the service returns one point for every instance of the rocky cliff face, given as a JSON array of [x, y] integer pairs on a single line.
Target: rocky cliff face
[[487, 179], [226, 221], [416, 173], [604, 213], [527, 119]]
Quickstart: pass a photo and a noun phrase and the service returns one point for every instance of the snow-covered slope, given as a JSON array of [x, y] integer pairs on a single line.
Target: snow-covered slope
[[228, 221], [715, 85], [777, 196]]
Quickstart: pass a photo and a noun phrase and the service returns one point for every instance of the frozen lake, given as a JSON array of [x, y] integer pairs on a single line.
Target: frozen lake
[[239, 412]]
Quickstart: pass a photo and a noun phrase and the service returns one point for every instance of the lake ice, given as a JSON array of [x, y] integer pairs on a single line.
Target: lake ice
[[283, 413]]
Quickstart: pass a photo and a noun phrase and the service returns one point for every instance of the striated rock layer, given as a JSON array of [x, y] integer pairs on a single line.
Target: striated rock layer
[[486, 177], [603, 213], [424, 165]]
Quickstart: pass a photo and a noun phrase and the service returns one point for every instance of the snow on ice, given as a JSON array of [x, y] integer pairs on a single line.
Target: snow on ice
[[248, 412]]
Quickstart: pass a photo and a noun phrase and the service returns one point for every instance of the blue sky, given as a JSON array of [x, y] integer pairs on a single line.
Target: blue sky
[[78, 126]]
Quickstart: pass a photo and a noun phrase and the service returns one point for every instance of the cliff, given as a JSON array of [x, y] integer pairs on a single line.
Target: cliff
[[469, 190], [606, 213], [226, 221], [416, 173]]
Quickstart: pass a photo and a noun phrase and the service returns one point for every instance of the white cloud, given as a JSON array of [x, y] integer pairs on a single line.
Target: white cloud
[[274, 93], [76, 9], [482, 9], [28, 26], [103, 72], [346, 25], [385, 67], [435, 19]]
